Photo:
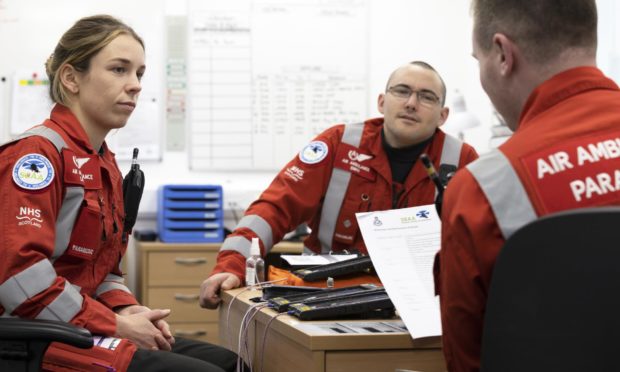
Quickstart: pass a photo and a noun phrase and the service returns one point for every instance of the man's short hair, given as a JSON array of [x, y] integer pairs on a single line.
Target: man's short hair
[[542, 28], [426, 66]]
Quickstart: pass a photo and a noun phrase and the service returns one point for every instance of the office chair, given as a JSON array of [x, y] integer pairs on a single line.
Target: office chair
[[554, 300], [23, 342]]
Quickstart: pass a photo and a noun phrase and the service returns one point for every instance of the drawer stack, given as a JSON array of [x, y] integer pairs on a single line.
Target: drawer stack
[[171, 278], [190, 214]]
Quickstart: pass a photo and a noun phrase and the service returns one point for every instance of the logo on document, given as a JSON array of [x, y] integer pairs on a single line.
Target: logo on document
[[377, 221], [423, 213]]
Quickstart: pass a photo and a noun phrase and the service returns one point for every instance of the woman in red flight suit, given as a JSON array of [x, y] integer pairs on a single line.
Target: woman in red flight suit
[[62, 236]]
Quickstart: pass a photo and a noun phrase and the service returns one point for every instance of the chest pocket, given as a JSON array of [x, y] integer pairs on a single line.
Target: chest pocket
[[83, 171], [87, 231], [346, 229]]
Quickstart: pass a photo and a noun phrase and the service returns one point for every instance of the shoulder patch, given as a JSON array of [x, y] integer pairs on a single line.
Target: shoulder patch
[[33, 172], [314, 152]]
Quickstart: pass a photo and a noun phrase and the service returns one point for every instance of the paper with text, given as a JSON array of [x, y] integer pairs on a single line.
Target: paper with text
[[402, 244]]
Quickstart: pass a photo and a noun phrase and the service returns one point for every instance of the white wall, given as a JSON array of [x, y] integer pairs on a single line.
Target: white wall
[[399, 31], [438, 32]]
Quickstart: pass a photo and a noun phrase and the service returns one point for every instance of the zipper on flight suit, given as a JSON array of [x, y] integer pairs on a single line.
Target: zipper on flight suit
[[397, 192], [114, 225], [104, 236]]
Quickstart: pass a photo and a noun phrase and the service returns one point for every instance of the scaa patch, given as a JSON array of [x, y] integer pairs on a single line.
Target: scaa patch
[[33, 172], [314, 152]]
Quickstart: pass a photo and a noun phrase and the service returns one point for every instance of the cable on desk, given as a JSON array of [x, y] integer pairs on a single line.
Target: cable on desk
[[228, 311], [241, 339], [258, 285], [243, 332], [262, 353], [228, 331]]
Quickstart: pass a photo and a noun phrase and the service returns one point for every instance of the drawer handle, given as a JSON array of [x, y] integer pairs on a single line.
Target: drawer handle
[[190, 261], [185, 297], [196, 333]]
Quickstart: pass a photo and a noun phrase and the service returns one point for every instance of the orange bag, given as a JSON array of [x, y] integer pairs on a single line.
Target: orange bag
[[285, 277]]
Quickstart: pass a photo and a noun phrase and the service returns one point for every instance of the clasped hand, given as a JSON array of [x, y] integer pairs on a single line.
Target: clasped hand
[[144, 327]]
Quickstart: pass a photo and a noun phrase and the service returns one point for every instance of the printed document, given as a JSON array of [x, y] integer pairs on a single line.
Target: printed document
[[402, 244]]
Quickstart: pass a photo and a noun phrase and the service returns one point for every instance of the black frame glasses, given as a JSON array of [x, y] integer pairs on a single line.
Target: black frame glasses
[[425, 97]]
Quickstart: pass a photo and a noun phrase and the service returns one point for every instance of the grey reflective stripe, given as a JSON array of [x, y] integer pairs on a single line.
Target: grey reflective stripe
[[238, 244], [336, 190], [334, 197], [450, 153], [73, 195], [308, 251], [112, 282], [64, 307], [260, 227], [26, 284], [114, 278], [111, 286], [46, 132], [504, 191]]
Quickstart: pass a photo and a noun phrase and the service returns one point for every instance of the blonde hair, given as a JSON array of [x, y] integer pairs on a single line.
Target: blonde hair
[[79, 45]]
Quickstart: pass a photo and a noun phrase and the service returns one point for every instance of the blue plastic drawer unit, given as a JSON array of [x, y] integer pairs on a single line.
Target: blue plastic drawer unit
[[190, 214]]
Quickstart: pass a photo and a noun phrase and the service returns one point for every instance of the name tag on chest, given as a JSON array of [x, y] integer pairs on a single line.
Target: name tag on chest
[[349, 158], [82, 170]]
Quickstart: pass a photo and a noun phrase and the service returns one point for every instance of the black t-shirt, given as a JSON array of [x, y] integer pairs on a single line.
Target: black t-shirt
[[401, 161]]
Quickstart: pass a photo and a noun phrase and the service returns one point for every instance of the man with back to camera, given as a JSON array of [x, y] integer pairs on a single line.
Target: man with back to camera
[[355, 167], [538, 66]]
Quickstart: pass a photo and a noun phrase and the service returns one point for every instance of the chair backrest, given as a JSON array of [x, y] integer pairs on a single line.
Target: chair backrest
[[23, 342], [554, 300]]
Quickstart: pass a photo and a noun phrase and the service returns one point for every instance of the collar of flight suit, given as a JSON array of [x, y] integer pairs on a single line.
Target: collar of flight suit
[[66, 123], [560, 87], [371, 144]]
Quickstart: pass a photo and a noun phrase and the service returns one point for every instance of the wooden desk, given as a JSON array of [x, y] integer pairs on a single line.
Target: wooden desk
[[288, 248], [292, 346], [169, 277]]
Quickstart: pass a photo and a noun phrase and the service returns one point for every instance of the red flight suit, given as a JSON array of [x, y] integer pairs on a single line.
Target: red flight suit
[[54, 268], [565, 154], [302, 192]]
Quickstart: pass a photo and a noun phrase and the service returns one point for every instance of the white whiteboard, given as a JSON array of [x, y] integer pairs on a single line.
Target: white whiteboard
[[30, 100], [265, 76]]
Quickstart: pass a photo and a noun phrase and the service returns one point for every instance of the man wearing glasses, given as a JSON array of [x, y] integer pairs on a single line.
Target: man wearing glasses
[[350, 168]]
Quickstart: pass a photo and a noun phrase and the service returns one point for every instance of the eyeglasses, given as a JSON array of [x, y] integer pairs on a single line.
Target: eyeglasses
[[425, 97]]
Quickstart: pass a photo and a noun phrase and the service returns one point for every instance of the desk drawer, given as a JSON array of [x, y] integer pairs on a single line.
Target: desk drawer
[[183, 301], [179, 268], [197, 331], [427, 360]]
